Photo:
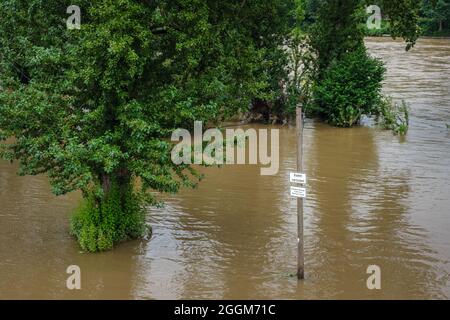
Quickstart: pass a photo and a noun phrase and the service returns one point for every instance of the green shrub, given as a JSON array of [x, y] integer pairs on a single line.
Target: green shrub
[[393, 116], [377, 32], [118, 216], [350, 87]]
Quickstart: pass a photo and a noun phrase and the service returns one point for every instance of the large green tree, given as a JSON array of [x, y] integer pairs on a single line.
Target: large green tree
[[93, 107]]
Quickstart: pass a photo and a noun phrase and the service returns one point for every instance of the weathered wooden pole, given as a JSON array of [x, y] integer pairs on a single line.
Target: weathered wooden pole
[[300, 259]]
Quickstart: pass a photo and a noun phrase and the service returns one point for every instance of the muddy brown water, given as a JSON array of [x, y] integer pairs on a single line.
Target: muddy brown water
[[374, 198]]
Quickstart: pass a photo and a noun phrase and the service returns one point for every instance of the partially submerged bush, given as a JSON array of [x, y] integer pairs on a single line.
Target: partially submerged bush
[[350, 87], [99, 225], [393, 116]]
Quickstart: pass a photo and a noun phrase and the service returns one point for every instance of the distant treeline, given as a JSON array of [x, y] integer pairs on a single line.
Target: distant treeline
[[434, 18]]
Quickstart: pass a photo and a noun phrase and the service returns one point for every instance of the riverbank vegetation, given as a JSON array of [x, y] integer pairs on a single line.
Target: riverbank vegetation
[[93, 107], [435, 18], [119, 217], [344, 82]]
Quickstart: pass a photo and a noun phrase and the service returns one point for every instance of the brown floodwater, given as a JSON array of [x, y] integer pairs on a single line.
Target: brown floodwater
[[373, 198]]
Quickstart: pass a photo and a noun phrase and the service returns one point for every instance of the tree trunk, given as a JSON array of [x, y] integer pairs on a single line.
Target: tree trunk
[[124, 180], [106, 183], [440, 25], [122, 177]]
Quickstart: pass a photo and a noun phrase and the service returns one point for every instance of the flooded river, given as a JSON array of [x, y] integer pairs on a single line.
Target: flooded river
[[373, 198]]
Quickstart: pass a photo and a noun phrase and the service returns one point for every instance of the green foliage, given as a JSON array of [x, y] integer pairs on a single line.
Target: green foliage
[[403, 18], [100, 224], [393, 116], [324, 31], [301, 63], [384, 30], [339, 26], [400, 17], [97, 104], [337, 31], [347, 82], [350, 87], [435, 17], [105, 98]]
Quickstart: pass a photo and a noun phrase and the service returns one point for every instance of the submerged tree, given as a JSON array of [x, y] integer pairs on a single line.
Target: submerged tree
[[93, 107]]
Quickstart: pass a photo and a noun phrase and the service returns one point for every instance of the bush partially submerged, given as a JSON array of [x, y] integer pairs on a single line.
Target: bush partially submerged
[[393, 116], [99, 225], [350, 87]]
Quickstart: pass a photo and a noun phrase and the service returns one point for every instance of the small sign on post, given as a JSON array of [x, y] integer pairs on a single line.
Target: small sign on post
[[298, 192], [298, 177]]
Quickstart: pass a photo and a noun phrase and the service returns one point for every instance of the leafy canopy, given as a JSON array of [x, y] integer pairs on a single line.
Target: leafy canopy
[[101, 101]]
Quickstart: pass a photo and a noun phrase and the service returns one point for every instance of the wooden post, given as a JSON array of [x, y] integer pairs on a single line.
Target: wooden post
[[300, 261]]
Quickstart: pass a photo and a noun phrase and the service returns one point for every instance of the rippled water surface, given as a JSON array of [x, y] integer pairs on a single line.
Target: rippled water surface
[[374, 198]]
